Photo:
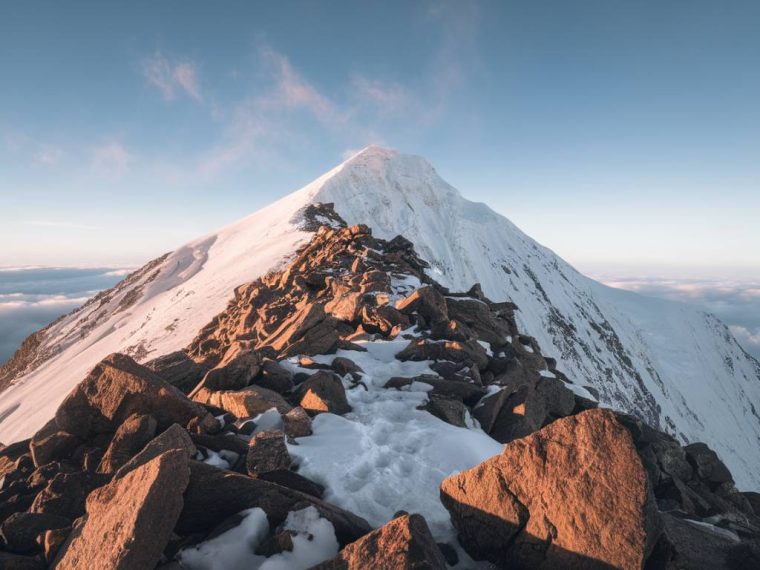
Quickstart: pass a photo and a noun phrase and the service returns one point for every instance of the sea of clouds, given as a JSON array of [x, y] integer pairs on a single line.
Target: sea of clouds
[[736, 303], [32, 297]]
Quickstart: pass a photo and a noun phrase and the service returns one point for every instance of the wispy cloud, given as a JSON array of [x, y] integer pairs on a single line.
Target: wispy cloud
[[111, 160], [60, 225], [48, 156], [386, 97], [172, 78]]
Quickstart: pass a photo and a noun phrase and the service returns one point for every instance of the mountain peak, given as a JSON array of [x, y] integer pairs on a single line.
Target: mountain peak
[[373, 151]]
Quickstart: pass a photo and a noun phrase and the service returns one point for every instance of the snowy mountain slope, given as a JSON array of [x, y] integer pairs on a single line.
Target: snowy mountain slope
[[676, 367]]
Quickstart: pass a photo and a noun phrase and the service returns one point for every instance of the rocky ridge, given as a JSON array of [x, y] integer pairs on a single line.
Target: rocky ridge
[[209, 444]]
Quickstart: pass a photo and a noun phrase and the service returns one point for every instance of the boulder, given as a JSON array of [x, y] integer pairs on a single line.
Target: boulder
[[322, 392], [427, 302], [207, 503], [129, 439], [237, 369], [10, 561], [52, 444], [404, 542], [130, 520], [179, 370], [248, 402], [706, 464], [479, 318], [450, 410], [65, 494], [10, 454], [519, 410], [470, 394], [469, 352], [20, 530], [175, 437], [754, 500], [267, 452], [296, 423], [691, 545], [574, 494], [342, 366], [294, 481], [273, 376], [308, 330], [115, 389]]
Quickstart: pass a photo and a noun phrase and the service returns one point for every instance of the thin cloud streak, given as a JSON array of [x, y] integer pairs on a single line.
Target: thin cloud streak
[[59, 225], [111, 160], [172, 78]]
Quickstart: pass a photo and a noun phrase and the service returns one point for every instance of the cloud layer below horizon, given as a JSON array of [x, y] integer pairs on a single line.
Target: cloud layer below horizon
[[736, 303], [32, 297]]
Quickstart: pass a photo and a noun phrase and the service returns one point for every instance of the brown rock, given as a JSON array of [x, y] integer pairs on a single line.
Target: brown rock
[[528, 408], [20, 530], [296, 423], [130, 520], [574, 494], [267, 452], [685, 545], [10, 561], [450, 410], [470, 394], [52, 444], [425, 301], [454, 351], [117, 388], [479, 318], [403, 543], [323, 392], [136, 431], [179, 370], [51, 542], [307, 331], [707, 464], [10, 454], [342, 366], [175, 437], [293, 480], [207, 503], [248, 402], [237, 369], [274, 376], [65, 495]]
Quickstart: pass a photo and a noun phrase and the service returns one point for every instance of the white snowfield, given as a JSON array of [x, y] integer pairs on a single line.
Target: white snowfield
[[669, 363]]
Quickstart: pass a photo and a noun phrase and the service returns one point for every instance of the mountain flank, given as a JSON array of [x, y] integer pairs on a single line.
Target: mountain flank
[[348, 411]]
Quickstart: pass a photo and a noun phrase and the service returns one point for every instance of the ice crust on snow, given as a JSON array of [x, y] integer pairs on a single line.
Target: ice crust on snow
[[678, 367]]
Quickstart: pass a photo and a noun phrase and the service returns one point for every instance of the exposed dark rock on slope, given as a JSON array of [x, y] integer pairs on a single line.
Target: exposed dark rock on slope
[[144, 466]]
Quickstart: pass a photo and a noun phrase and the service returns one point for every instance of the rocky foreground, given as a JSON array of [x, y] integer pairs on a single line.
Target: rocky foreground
[[229, 454]]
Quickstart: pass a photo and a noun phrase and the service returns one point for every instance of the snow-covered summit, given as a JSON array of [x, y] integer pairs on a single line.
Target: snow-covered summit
[[676, 367]]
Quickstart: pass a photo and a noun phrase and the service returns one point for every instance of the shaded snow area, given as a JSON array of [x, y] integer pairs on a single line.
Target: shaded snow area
[[386, 455], [313, 542]]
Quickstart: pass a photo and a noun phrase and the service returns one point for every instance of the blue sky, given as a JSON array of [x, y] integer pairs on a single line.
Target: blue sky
[[624, 135]]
